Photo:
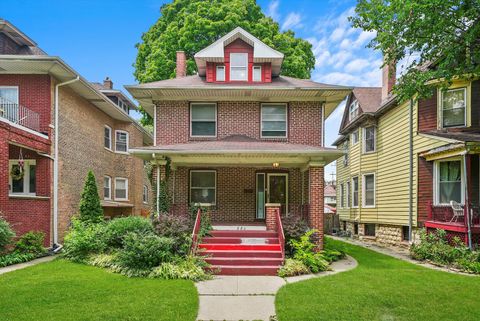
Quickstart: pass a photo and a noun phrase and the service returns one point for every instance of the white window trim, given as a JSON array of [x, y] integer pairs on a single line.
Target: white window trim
[[436, 181], [348, 196], [190, 186], [216, 73], [13, 87], [26, 177], [111, 138], [126, 189], [353, 192], [364, 139], [145, 194], [342, 192], [109, 187], [358, 138], [442, 92], [353, 103], [128, 140], [253, 73], [261, 120], [232, 66], [364, 190], [191, 121]]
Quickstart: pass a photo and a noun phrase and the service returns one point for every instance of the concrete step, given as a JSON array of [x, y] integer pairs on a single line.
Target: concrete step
[[241, 247], [236, 233], [244, 261], [240, 240], [241, 253], [239, 227], [245, 270]]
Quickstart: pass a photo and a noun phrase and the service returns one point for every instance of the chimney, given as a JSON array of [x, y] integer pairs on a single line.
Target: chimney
[[181, 64], [108, 83], [388, 80]]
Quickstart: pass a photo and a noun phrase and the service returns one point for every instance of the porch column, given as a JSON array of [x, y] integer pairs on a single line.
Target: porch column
[[270, 220], [316, 208], [158, 174]]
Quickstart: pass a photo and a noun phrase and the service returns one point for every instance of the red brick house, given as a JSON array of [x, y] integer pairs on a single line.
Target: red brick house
[[239, 137], [54, 127]]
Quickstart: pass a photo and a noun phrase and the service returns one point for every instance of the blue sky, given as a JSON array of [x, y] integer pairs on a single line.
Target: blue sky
[[97, 38]]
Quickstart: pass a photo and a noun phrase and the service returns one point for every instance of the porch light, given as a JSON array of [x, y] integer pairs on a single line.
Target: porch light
[[275, 165]]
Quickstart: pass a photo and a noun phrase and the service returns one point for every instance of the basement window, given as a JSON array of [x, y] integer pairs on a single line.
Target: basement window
[[405, 233], [369, 229]]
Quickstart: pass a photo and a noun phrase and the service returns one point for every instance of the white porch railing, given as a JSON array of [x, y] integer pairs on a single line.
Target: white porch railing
[[19, 114]]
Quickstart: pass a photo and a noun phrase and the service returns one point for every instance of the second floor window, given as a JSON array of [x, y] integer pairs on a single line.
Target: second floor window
[[239, 66], [345, 155], [220, 73], [354, 138], [121, 141], [9, 103], [107, 142], [203, 120], [107, 187], [353, 110], [274, 120], [121, 189], [369, 139], [355, 192], [454, 107]]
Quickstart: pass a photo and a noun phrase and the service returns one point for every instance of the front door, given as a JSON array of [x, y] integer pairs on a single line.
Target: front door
[[271, 188]]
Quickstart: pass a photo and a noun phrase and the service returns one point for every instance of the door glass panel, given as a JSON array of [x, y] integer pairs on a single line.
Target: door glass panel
[[260, 196], [277, 189]]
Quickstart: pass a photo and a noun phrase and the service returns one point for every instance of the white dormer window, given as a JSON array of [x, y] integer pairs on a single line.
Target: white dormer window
[[220, 75], [239, 66], [257, 73], [353, 110], [122, 105]]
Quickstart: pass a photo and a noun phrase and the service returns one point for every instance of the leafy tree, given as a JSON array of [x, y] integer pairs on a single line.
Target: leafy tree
[[90, 208], [192, 25], [441, 34]]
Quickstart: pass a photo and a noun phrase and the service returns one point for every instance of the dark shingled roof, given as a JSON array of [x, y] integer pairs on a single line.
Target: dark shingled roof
[[458, 136], [197, 81], [369, 98]]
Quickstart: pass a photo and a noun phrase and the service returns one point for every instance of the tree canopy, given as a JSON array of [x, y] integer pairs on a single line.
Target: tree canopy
[[191, 25], [438, 39]]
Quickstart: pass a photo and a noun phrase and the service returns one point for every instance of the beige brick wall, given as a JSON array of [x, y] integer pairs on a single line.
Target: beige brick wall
[[81, 148]]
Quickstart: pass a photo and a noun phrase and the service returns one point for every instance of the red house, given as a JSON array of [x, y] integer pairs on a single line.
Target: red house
[[243, 140]]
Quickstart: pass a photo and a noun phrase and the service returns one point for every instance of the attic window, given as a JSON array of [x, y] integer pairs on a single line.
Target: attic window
[[220, 75], [257, 73], [353, 110], [238, 66]]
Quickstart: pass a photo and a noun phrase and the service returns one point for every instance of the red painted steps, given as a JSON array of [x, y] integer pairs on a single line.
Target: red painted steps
[[242, 252]]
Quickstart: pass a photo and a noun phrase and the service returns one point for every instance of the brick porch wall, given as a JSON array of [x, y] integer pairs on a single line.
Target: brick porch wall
[[236, 196]]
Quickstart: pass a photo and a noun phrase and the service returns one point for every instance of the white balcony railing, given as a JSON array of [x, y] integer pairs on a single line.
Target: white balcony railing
[[19, 114]]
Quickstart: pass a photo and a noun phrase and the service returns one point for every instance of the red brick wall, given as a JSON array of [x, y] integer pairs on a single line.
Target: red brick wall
[[427, 113], [34, 93], [236, 198], [425, 189], [239, 118], [316, 210]]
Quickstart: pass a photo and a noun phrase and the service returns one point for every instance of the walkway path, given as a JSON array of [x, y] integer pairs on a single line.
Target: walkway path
[[234, 298], [19, 266]]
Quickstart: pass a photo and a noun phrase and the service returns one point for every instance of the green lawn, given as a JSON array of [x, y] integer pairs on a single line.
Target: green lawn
[[61, 290], [381, 288]]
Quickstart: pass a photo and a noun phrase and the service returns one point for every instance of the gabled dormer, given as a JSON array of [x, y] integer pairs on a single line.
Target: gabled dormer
[[238, 57]]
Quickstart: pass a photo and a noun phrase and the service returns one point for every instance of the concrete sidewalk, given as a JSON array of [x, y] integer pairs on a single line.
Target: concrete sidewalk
[[19, 266], [234, 298]]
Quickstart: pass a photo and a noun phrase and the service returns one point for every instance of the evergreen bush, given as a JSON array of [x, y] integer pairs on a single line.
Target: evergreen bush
[[90, 208]]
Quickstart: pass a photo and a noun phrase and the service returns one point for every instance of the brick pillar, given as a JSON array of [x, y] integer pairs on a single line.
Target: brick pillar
[[270, 219], [316, 209]]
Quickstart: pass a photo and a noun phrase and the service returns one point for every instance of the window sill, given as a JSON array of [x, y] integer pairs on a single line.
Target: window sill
[[108, 149], [368, 153], [123, 153], [26, 196], [121, 200]]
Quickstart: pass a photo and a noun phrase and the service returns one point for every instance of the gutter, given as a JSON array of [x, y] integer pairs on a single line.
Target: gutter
[[57, 247]]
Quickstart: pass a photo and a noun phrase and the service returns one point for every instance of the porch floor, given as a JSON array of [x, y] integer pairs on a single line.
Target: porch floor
[[453, 226], [239, 226]]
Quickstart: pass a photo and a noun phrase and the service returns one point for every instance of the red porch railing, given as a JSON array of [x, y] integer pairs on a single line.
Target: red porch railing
[[281, 235], [444, 214], [196, 230]]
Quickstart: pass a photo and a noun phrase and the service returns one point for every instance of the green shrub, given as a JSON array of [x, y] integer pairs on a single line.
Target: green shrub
[[144, 251], [332, 251], [91, 210], [31, 242], [304, 251], [83, 240], [191, 268], [116, 229], [293, 227], [176, 227], [6, 234], [293, 267], [15, 258]]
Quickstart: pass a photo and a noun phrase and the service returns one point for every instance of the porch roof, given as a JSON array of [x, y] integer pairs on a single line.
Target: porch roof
[[237, 152]]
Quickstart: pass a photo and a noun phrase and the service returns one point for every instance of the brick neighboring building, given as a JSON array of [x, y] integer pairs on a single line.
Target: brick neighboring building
[[94, 132], [239, 137]]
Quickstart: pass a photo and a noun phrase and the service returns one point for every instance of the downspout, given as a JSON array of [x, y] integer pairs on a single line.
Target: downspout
[[57, 247], [322, 139], [410, 179], [467, 207]]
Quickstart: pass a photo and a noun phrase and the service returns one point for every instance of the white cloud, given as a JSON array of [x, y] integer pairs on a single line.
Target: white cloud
[[273, 10], [357, 65], [364, 38], [337, 34], [293, 20]]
